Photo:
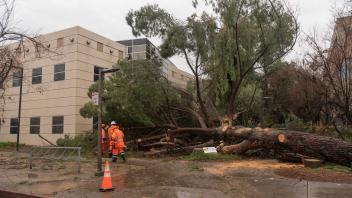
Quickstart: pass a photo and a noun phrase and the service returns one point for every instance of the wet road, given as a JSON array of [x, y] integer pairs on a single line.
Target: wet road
[[165, 178]]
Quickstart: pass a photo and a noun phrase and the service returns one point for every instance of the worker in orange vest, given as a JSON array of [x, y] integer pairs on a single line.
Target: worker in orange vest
[[117, 144], [110, 131], [103, 139]]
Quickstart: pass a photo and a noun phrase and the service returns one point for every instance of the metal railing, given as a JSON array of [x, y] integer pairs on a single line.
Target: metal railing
[[56, 153]]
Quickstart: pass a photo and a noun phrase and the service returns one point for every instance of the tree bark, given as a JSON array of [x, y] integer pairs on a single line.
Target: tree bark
[[306, 144]]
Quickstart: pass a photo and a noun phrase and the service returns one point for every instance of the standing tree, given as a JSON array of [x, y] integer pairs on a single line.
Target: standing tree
[[335, 68], [224, 47], [225, 51], [12, 42], [14, 47]]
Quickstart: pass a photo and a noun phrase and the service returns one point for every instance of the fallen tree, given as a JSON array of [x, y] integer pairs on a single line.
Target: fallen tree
[[287, 145]]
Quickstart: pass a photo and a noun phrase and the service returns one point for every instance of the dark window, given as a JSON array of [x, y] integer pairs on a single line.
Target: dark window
[[37, 76], [34, 125], [14, 126], [16, 79], [59, 72], [58, 124], [100, 47], [129, 50], [96, 73]]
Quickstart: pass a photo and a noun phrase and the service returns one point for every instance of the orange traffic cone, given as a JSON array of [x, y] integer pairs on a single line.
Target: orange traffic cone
[[107, 183]]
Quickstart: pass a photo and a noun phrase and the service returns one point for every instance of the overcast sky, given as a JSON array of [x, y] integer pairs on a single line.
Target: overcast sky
[[107, 17]]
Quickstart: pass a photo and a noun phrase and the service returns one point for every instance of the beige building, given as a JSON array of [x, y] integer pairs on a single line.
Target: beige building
[[55, 85]]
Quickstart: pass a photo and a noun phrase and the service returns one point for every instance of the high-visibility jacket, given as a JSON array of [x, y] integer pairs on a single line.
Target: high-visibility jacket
[[116, 137], [103, 136], [110, 131], [120, 136]]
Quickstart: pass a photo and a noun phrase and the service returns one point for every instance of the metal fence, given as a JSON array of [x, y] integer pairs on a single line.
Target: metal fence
[[56, 153]]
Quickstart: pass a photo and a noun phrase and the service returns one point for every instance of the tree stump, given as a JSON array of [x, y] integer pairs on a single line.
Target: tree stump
[[312, 163]]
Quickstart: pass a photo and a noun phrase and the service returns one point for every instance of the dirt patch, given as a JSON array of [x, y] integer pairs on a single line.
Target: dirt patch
[[320, 174], [221, 168]]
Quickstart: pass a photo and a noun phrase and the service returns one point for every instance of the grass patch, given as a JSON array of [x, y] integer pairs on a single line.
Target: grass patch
[[331, 168], [7, 144], [200, 156], [337, 168]]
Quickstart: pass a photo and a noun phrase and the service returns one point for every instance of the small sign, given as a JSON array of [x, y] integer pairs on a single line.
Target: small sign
[[95, 98], [209, 150]]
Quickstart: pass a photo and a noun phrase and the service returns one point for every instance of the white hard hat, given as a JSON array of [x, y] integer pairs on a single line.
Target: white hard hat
[[113, 123]]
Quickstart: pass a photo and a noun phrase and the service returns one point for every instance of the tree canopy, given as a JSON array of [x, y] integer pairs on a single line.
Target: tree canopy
[[224, 47]]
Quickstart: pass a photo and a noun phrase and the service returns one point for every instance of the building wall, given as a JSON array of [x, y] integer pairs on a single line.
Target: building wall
[[51, 98], [178, 77], [143, 49]]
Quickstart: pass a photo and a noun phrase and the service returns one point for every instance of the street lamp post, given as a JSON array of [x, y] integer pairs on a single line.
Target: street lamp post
[[100, 96], [19, 111]]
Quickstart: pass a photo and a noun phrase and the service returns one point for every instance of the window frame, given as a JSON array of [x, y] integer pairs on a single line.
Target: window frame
[[37, 76], [56, 126], [58, 73], [100, 47], [16, 78], [60, 42], [14, 126], [32, 126]]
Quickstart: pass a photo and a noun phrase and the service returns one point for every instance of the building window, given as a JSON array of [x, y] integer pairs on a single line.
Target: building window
[[14, 126], [60, 42], [16, 79], [59, 72], [96, 73], [173, 74], [34, 125], [120, 54], [129, 53], [37, 76], [100, 47], [58, 124]]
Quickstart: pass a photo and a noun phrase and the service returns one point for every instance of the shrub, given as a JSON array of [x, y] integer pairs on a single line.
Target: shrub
[[87, 142], [7, 144]]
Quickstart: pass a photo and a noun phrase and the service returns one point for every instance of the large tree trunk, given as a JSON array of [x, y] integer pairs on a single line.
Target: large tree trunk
[[304, 144], [289, 145]]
